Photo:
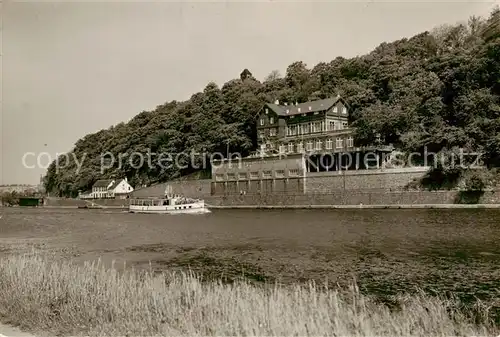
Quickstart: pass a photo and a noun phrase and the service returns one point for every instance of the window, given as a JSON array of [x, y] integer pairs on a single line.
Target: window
[[291, 130], [219, 177], [267, 111], [300, 147], [293, 172], [350, 142], [254, 175], [339, 125], [272, 132], [319, 144], [331, 126], [280, 173], [282, 149], [329, 144], [309, 146], [267, 174], [242, 175], [271, 120], [339, 143], [335, 109], [262, 121], [290, 147], [231, 176], [262, 134], [344, 125], [344, 110]]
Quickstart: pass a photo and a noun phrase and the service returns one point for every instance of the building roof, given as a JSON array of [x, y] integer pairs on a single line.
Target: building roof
[[103, 183], [313, 106]]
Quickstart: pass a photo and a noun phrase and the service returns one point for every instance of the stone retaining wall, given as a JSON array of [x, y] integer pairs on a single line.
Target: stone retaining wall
[[188, 188], [352, 197]]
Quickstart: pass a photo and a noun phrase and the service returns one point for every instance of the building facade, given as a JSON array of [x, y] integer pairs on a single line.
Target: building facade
[[319, 129], [295, 141], [109, 188], [317, 126], [256, 175]]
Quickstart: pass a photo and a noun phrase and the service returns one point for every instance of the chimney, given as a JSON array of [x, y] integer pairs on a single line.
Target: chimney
[[310, 108], [298, 109]]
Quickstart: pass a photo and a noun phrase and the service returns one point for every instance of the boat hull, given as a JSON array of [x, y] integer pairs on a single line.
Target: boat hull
[[192, 208]]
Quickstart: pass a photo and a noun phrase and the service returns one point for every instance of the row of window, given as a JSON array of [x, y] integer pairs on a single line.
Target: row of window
[[312, 127], [317, 145], [271, 119], [257, 175], [308, 128]]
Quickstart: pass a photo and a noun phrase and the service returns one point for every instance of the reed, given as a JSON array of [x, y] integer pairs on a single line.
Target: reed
[[60, 297]]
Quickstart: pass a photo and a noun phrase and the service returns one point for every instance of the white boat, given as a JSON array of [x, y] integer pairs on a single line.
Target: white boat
[[170, 204]]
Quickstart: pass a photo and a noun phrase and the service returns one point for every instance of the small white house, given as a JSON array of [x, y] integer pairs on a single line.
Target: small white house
[[111, 188]]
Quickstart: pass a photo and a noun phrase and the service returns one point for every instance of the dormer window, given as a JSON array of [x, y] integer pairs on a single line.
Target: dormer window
[[287, 111], [271, 120], [344, 111], [335, 109], [262, 121], [267, 111], [298, 109]]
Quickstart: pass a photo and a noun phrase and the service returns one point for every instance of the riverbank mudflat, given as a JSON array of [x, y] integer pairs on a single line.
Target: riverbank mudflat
[[67, 299]]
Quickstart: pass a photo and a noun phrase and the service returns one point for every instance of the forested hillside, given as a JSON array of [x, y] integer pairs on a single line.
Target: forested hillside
[[438, 89]]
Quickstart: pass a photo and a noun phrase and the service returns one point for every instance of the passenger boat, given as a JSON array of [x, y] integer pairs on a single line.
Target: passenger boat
[[170, 204]]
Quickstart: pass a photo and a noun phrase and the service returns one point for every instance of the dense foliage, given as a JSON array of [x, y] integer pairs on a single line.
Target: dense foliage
[[437, 90]]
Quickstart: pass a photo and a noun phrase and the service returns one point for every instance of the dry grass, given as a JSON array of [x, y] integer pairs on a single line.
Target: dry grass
[[91, 300]]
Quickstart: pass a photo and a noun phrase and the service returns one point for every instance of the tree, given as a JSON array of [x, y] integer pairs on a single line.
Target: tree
[[437, 90]]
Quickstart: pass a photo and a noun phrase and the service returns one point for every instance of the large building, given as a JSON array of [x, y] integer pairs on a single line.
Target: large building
[[319, 126], [319, 129], [293, 141]]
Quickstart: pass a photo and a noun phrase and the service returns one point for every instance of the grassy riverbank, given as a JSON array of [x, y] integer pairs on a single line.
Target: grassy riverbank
[[60, 297]]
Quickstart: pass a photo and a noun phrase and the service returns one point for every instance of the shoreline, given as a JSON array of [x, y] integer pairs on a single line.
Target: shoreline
[[392, 206], [389, 206]]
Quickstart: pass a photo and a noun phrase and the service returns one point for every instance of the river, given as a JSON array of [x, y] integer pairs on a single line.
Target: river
[[385, 251]]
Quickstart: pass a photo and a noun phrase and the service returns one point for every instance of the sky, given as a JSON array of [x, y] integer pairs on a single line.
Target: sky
[[74, 68]]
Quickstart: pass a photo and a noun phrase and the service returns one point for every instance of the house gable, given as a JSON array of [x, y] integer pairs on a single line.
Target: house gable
[[268, 116], [121, 187], [339, 109]]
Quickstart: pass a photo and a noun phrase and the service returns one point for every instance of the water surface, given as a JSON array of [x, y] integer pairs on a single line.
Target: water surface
[[385, 251]]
